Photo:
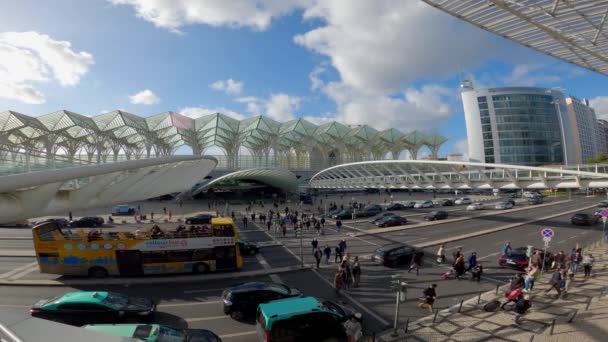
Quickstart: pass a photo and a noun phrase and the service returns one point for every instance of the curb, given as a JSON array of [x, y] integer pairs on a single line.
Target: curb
[[494, 230], [432, 223], [15, 238], [151, 280]]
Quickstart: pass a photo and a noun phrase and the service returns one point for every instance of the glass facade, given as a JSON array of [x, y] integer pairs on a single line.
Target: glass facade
[[522, 129]]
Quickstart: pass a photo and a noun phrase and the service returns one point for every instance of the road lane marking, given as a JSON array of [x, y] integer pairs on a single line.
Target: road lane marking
[[487, 256], [210, 318], [188, 304], [24, 272], [18, 269], [245, 333], [266, 266]]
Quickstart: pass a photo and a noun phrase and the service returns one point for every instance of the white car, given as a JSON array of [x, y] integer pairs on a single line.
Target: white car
[[530, 194], [475, 206], [463, 200], [425, 204], [503, 205]]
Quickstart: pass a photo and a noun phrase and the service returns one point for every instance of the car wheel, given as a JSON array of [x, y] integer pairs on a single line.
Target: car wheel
[[98, 272], [188, 222], [200, 268], [237, 315]]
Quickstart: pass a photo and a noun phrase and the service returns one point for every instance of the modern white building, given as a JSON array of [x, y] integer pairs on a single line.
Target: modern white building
[[517, 125], [584, 129]]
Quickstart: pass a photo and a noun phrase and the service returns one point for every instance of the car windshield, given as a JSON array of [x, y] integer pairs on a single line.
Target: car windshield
[[433, 213], [333, 307], [166, 334], [116, 300]]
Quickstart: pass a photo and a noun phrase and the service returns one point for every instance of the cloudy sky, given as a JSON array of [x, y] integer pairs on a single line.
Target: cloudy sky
[[384, 63]]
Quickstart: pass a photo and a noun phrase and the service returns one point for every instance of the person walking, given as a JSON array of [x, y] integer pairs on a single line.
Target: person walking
[[476, 273], [268, 224], [327, 251], [416, 262], [533, 273], [165, 211], [170, 215], [576, 260], [322, 222], [338, 256], [441, 254], [588, 261], [506, 249], [245, 221], [457, 254], [522, 305], [472, 261], [536, 259], [314, 244], [338, 225], [151, 216], [356, 269], [459, 266], [70, 217], [318, 255], [430, 295], [555, 282], [342, 245]]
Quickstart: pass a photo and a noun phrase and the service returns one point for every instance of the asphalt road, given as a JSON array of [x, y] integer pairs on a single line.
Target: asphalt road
[[197, 304]]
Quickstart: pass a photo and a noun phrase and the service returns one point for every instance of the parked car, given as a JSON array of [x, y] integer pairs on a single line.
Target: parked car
[[396, 206], [446, 202], [154, 332], [510, 200], [123, 210], [603, 204], [381, 216], [463, 201], [61, 222], [584, 219], [409, 204], [369, 211], [425, 204], [390, 221], [87, 307], [248, 247], [502, 205], [303, 319], [518, 259], [530, 194], [436, 215], [344, 214], [89, 221], [241, 301], [199, 219], [535, 200], [476, 206], [393, 255]]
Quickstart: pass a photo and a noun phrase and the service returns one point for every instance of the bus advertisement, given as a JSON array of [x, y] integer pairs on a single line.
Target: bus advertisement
[[99, 255]]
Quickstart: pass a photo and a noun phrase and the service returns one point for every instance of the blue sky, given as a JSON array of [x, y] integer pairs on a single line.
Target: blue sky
[[383, 63]]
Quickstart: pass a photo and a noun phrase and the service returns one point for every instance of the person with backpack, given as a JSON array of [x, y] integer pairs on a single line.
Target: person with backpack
[[314, 244], [430, 295], [318, 255]]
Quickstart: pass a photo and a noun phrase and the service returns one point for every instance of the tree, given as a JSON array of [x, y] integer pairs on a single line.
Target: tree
[[601, 158]]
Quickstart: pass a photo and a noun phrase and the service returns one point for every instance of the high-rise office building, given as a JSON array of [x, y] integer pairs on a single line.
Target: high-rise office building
[[602, 136], [584, 129], [516, 125]]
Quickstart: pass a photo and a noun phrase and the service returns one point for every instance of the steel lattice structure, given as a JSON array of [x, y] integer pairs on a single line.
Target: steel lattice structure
[[572, 30], [107, 136]]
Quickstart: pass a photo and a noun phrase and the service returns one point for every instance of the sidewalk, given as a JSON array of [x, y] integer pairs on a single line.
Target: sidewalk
[[581, 316]]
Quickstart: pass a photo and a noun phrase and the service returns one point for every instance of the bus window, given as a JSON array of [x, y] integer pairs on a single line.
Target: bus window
[[203, 254], [153, 257], [223, 231], [175, 256], [46, 231]]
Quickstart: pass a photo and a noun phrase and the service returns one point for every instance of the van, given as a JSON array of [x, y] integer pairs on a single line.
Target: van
[[302, 319]]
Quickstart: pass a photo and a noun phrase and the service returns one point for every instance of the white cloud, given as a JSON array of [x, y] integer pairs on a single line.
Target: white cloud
[[315, 81], [600, 104], [174, 14], [230, 86], [529, 75], [197, 112], [27, 57], [280, 107], [144, 97]]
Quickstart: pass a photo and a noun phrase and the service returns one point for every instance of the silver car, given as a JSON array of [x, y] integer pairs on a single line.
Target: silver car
[[503, 205]]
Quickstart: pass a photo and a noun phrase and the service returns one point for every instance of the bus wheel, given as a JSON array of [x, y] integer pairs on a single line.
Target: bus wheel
[[98, 272], [200, 268]]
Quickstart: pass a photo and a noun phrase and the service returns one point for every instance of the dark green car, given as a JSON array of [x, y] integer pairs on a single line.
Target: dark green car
[[248, 247], [155, 332], [86, 307]]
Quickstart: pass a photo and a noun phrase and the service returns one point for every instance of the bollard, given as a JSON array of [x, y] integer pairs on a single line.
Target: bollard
[[531, 337], [479, 298], [407, 325], [573, 315], [497, 287], [552, 326], [435, 317], [460, 307], [588, 303]]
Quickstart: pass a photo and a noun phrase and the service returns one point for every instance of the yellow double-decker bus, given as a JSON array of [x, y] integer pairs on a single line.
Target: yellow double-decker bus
[[99, 254]]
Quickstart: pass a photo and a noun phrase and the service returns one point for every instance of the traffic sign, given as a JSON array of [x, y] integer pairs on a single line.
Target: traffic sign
[[547, 232]]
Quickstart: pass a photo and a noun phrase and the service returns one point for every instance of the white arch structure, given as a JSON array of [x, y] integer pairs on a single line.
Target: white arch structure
[[51, 192], [276, 177], [434, 174]]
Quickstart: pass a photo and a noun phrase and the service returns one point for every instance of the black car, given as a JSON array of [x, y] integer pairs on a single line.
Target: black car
[[391, 221], [584, 219], [436, 215], [446, 202], [61, 222], [393, 255], [510, 200], [241, 301], [535, 200], [199, 219], [344, 214], [396, 206], [248, 247], [369, 211], [89, 221], [381, 216], [518, 259]]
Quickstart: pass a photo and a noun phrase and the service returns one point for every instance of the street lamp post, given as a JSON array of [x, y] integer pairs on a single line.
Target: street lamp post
[[401, 295]]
